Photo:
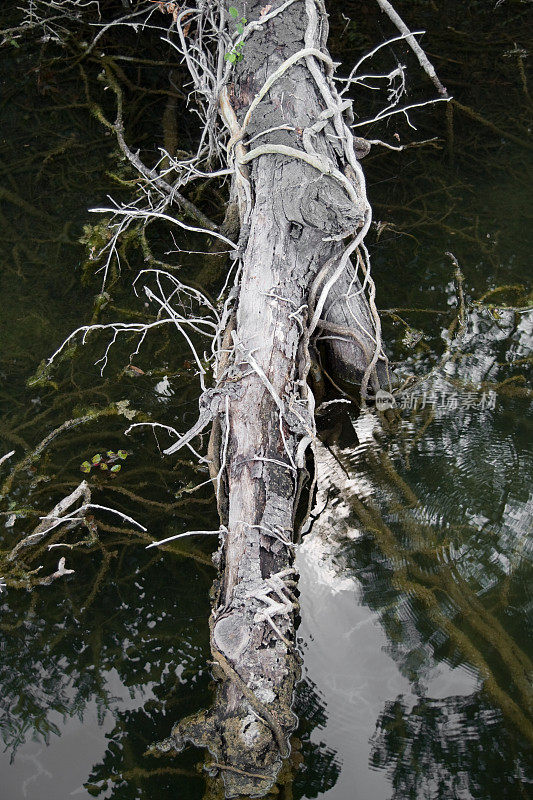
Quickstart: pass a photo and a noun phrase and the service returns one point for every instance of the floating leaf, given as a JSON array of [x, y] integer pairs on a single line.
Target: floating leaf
[[116, 468], [111, 454], [233, 11], [123, 407], [103, 466], [86, 467], [122, 454], [96, 458]]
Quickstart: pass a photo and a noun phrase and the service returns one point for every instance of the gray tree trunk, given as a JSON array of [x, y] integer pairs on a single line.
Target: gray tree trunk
[[262, 407]]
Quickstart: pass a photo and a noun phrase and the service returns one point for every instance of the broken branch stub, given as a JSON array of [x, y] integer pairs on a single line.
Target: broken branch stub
[[303, 213]]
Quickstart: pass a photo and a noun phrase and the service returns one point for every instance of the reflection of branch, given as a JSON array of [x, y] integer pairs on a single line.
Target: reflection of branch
[[7, 455], [455, 331], [428, 584], [58, 517], [68, 425], [433, 733], [491, 126], [57, 512]]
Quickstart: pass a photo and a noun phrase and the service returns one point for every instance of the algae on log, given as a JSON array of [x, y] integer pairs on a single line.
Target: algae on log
[[303, 211]]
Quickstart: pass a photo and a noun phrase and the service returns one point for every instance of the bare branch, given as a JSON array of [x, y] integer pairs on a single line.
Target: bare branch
[[423, 60]]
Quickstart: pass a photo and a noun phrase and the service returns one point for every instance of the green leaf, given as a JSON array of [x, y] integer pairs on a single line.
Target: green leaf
[[240, 27], [111, 454], [244, 20], [116, 468], [233, 11], [96, 458], [122, 454], [231, 57], [103, 466], [86, 467]]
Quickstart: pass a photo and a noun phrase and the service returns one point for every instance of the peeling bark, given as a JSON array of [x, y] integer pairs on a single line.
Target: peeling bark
[[293, 220]]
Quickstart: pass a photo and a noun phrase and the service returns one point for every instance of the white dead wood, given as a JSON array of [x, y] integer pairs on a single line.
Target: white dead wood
[[61, 569], [168, 539], [61, 516], [423, 60], [280, 128], [50, 522], [7, 456]]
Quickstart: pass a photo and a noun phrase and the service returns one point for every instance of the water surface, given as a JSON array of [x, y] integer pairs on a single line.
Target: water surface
[[416, 574]]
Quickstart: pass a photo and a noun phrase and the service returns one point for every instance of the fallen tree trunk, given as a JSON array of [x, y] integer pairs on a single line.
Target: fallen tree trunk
[[302, 291], [303, 212]]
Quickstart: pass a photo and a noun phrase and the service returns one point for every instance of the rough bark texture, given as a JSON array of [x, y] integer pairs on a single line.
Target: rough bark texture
[[347, 329], [262, 406]]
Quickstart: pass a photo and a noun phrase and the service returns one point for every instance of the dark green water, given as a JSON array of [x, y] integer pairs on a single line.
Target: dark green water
[[415, 579]]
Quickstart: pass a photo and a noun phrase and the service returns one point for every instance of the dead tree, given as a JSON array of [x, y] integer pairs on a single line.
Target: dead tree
[[303, 270], [278, 125]]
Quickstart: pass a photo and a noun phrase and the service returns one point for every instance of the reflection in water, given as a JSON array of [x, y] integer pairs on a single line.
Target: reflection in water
[[415, 578], [454, 747], [447, 573], [128, 670]]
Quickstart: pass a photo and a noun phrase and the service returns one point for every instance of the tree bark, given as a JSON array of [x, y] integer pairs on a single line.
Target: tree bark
[[297, 218]]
